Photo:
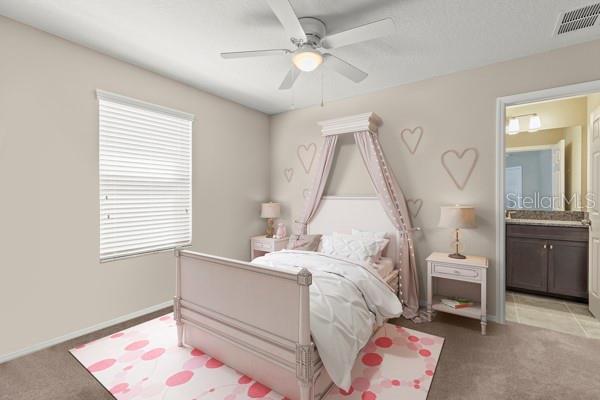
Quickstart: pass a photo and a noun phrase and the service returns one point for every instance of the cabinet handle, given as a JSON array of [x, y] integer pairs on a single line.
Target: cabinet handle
[[544, 245], [550, 247]]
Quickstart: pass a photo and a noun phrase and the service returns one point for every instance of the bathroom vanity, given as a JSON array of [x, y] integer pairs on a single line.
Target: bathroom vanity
[[547, 257]]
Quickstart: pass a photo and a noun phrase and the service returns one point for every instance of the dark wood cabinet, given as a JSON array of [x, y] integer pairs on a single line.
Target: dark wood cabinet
[[568, 268], [547, 260], [526, 261]]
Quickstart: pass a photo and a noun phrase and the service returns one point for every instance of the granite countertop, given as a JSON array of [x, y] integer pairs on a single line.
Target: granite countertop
[[545, 222]]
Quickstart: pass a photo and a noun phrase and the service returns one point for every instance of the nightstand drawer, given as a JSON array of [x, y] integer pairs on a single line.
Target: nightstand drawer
[[452, 270], [264, 246]]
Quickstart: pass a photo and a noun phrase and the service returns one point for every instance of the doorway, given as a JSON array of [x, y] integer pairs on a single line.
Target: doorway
[[545, 248]]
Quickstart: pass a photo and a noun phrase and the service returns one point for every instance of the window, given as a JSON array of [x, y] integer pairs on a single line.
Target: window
[[145, 177]]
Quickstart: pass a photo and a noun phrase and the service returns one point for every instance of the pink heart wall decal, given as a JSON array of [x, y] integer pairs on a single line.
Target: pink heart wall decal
[[460, 166], [306, 155], [412, 138], [414, 206], [288, 173]]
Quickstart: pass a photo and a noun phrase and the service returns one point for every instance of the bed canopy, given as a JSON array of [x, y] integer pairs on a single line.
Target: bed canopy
[[365, 127]]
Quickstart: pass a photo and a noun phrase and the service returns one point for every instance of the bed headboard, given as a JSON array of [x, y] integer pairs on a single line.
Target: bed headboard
[[341, 214]]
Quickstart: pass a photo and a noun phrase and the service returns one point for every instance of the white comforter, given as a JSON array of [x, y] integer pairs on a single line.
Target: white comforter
[[346, 300]]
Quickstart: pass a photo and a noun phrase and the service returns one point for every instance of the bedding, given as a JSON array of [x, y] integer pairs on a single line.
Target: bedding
[[352, 247], [347, 300]]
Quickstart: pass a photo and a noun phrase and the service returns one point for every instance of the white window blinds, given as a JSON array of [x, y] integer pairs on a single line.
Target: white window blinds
[[145, 177]]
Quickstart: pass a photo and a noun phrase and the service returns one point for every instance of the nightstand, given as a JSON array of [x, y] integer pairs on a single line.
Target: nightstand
[[471, 269], [261, 245]]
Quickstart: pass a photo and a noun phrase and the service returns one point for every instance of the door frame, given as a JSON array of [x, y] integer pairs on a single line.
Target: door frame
[[579, 89]]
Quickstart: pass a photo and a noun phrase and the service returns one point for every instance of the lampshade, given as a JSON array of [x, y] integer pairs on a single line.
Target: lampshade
[[307, 59], [535, 123], [270, 210], [513, 126], [457, 217]]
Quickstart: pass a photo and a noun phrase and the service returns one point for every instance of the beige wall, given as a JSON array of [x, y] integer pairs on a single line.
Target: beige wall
[[457, 111], [50, 280]]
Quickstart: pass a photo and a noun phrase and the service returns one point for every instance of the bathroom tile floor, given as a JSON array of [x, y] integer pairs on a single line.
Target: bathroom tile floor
[[550, 313]]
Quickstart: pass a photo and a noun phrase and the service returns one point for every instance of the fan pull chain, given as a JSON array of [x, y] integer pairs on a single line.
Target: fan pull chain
[[322, 87]]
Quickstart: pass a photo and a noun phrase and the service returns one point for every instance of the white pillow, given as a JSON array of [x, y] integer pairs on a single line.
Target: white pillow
[[351, 247], [373, 235]]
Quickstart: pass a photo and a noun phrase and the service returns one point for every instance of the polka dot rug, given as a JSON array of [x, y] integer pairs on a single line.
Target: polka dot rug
[[144, 362]]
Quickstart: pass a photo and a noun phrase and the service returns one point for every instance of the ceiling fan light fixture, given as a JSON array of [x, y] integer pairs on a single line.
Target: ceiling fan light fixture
[[535, 123], [307, 60], [513, 126]]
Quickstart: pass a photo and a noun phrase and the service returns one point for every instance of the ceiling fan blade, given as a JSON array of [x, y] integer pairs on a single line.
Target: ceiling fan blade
[[290, 78], [343, 68], [255, 53], [362, 33], [285, 13]]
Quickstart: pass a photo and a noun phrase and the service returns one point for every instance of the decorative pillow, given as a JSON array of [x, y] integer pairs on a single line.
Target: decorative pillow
[[351, 247], [304, 242], [373, 235]]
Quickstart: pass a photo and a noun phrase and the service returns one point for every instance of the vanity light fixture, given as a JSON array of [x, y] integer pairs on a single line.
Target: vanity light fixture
[[514, 124]]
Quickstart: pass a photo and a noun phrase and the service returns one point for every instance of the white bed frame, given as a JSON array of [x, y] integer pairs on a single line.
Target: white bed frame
[[256, 319]]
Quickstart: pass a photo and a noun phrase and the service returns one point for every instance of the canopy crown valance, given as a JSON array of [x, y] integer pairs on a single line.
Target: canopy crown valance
[[354, 123]]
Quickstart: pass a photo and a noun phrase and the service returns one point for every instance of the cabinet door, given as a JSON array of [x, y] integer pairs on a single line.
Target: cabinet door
[[568, 268], [526, 264]]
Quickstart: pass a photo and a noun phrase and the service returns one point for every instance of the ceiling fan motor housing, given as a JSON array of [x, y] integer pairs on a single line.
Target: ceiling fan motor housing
[[315, 31]]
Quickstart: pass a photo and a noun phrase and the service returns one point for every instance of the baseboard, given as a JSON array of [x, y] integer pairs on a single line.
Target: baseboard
[[40, 346]]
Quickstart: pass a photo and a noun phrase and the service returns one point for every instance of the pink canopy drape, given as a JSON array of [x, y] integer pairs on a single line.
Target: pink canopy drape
[[392, 200]]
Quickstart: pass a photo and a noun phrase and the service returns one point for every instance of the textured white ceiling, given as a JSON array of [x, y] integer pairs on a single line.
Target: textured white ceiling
[[182, 39]]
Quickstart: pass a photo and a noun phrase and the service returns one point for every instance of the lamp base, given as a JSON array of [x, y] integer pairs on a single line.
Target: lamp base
[[457, 256], [270, 229]]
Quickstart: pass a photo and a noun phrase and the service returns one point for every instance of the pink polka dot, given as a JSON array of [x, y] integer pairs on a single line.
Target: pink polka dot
[[165, 318], [416, 381], [395, 382], [117, 335], [197, 353], [347, 393], [102, 365], [368, 396], [213, 363], [229, 397], [384, 342], [429, 372], [413, 338], [244, 380], [427, 341], [153, 354], [424, 352], [361, 384], [372, 359], [179, 378], [257, 390], [127, 368], [121, 387], [136, 345]]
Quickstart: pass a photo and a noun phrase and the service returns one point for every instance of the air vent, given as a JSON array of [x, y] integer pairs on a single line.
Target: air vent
[[574, 20]]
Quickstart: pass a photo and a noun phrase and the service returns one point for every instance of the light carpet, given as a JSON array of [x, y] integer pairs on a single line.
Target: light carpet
[[144, 362]]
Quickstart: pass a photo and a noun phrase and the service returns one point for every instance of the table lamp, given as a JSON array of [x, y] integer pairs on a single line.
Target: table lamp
[[457, 217], [270, 211]]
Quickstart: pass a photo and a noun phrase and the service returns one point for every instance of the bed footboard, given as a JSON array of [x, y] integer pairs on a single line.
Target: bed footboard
[[255, 319]]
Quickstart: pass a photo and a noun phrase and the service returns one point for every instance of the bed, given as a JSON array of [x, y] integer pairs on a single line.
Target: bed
[[226, 307]]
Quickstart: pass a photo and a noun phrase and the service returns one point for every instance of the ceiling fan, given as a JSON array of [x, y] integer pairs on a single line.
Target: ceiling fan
[[309, 36]]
